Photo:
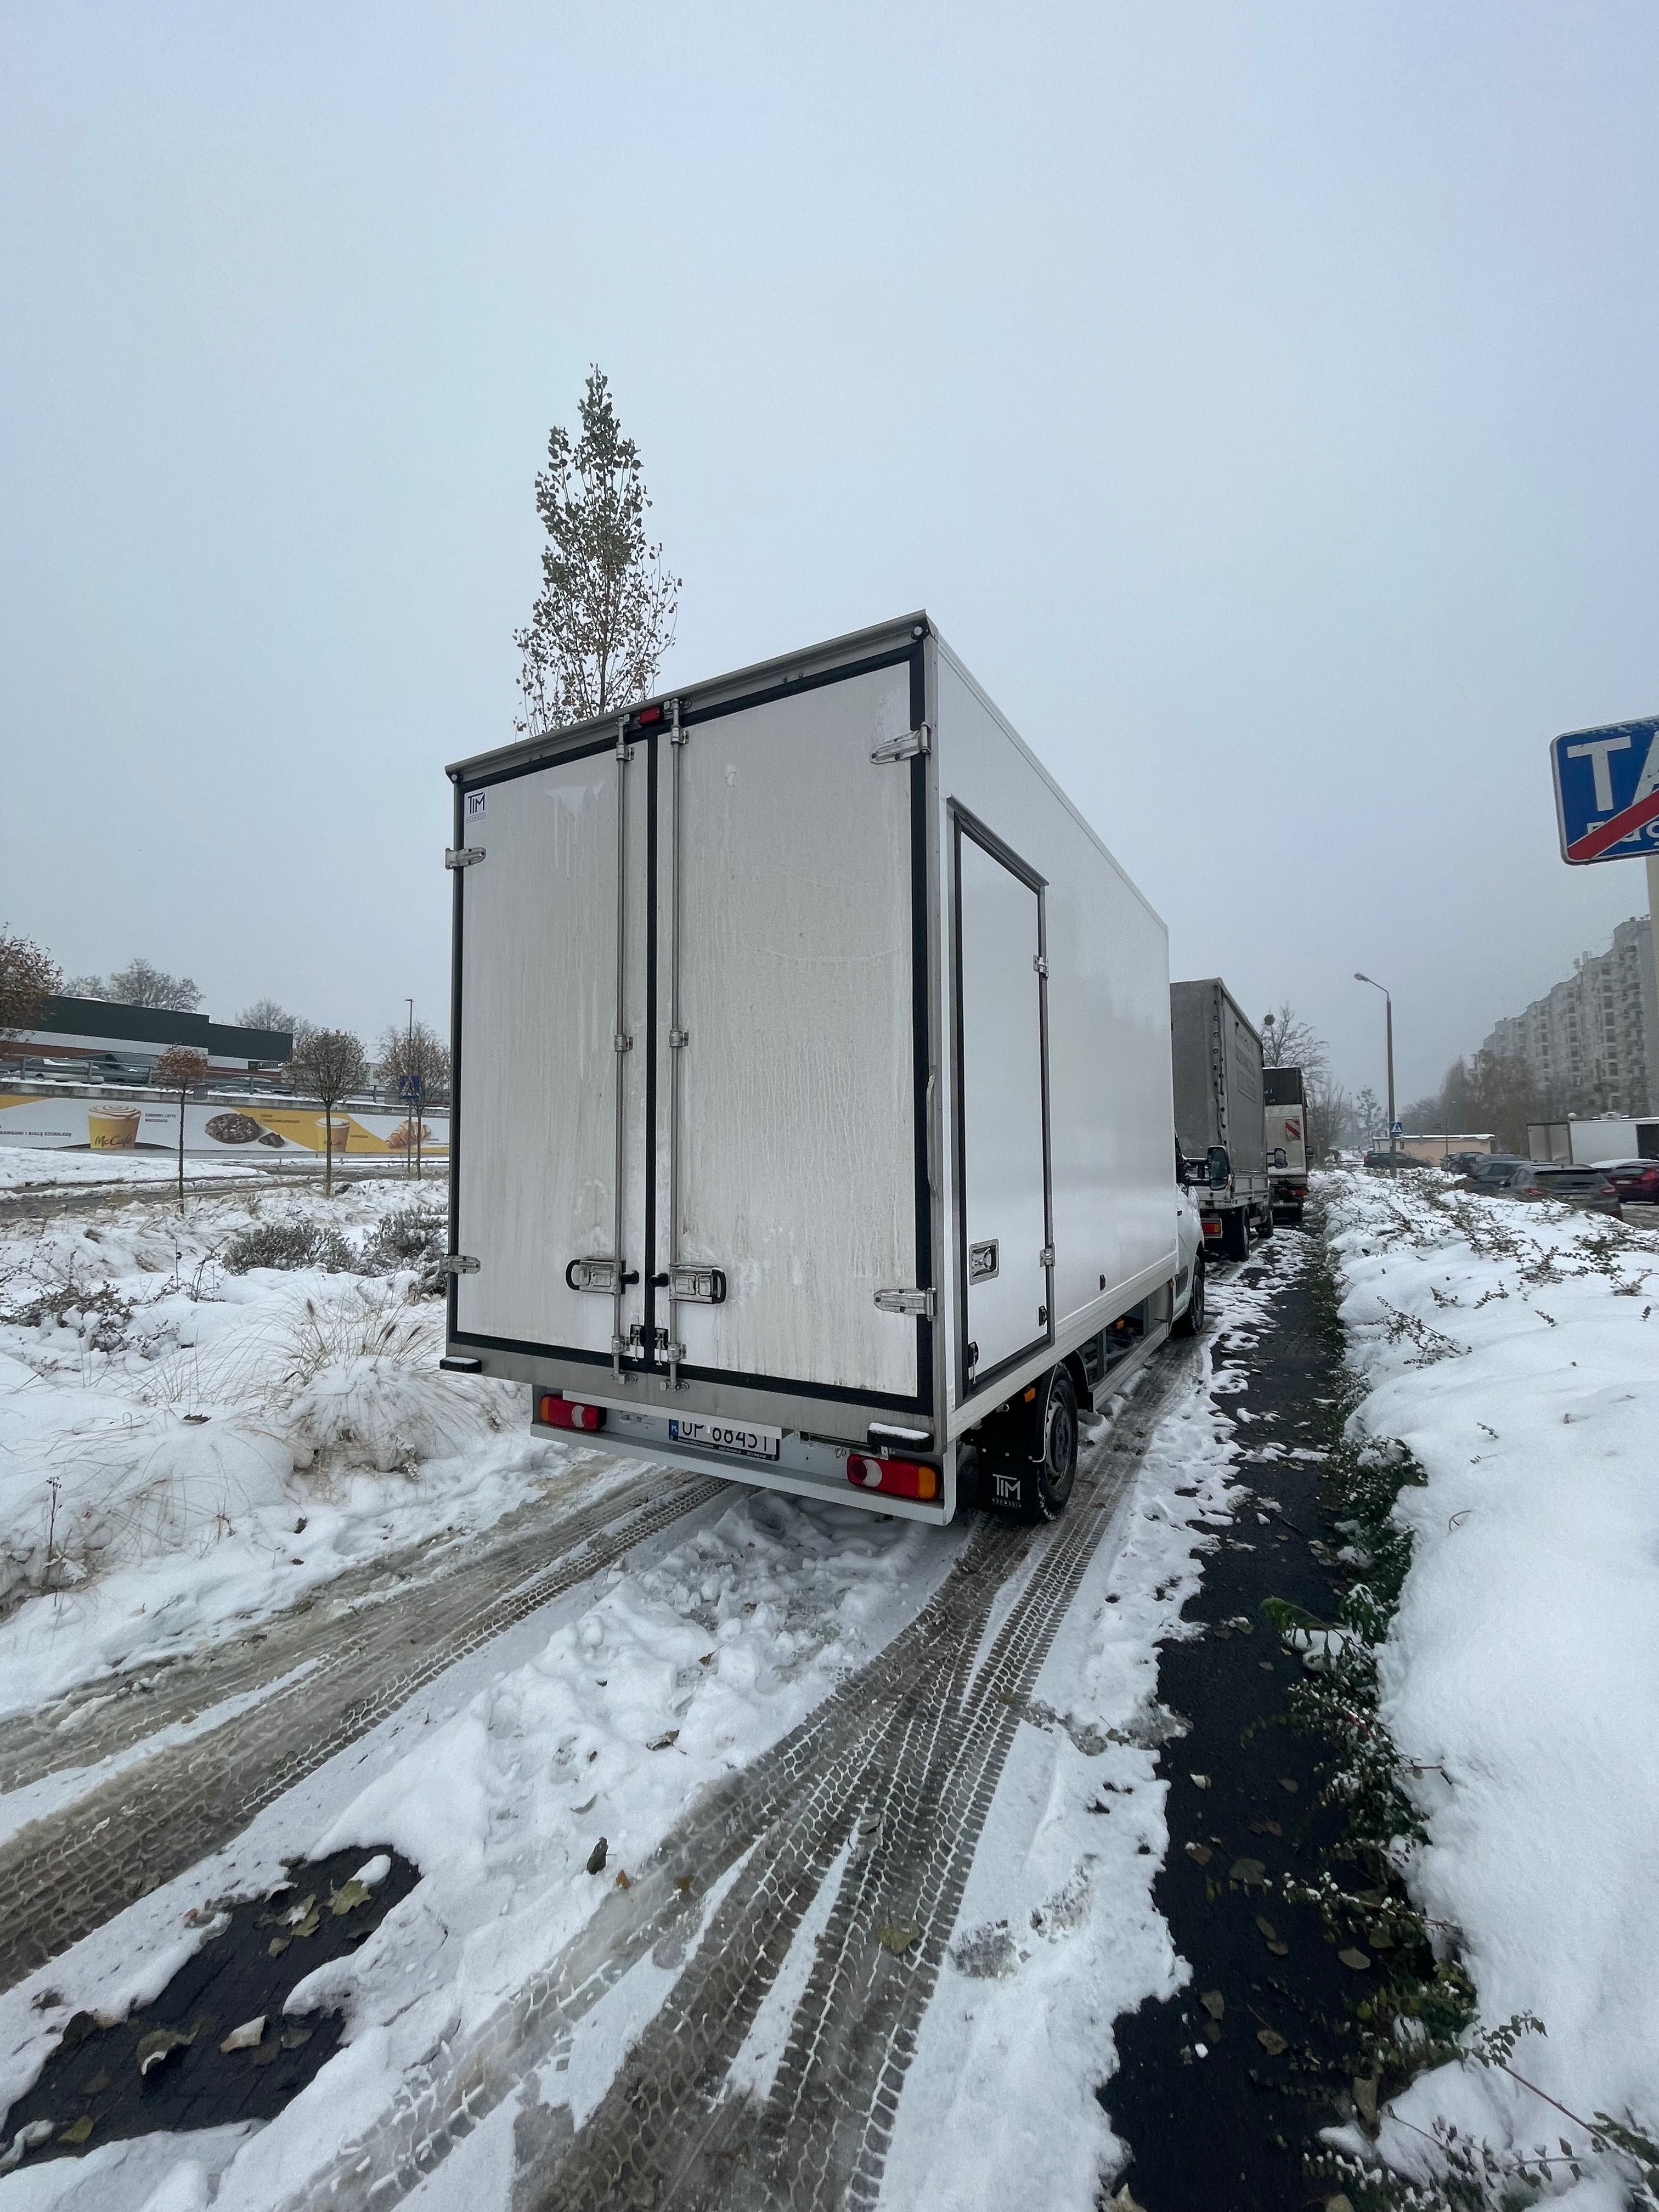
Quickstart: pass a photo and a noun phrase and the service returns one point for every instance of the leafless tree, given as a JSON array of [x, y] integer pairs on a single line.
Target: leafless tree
[[28, 977], [329, 1064], [1289, 1042], [416, 1051], [268, 1014], [605, 616], [139, 984], [1329, 1110], [182, 1069]]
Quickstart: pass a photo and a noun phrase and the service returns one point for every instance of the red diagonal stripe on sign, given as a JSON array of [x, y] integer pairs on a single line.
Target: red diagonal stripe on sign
[[1594, 842]]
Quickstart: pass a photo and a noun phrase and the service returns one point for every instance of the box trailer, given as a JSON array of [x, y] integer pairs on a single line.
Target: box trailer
[[1587, 1143], [810, 1116], [1285, 1113], [1219, 1116]]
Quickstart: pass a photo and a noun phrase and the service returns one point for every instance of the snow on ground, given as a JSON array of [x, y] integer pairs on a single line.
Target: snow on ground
[[198, 1447], [1515, 1350], [35, 1167], [1058, 1934], [608, 1716], [652, 1683]]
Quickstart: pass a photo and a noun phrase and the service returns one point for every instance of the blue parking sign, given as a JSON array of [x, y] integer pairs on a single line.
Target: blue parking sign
[[1607, 792]]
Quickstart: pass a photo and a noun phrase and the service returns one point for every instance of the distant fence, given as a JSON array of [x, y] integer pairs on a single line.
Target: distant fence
[[246, 1128]]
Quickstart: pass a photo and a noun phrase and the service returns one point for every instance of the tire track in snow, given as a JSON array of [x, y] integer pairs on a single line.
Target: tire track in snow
[[939, 1733], [904, 1758], [71, 1871]]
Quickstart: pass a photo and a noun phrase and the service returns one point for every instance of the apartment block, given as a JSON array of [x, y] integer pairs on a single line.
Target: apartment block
[[1592, 1040]]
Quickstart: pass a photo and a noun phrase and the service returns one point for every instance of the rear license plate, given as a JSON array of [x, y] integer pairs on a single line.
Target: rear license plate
[[745, 1439]]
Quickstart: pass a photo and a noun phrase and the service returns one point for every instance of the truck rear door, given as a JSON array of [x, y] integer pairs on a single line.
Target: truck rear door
[[687, 1136]]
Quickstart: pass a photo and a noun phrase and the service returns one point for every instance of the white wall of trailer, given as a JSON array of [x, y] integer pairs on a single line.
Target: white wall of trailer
[[1111, 1114], [1593, 1142]]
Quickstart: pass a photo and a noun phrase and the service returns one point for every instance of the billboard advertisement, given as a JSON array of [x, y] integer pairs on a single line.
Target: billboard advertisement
[[254, 1131]]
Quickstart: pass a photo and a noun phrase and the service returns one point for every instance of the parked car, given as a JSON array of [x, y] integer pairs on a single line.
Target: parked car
[[1463, 1164], [1636, 1181], [1385, 1159], [1496, 1168], [1559, 1179]]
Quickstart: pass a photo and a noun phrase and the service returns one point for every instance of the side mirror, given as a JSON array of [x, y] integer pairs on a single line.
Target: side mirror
[[1221, 1167]]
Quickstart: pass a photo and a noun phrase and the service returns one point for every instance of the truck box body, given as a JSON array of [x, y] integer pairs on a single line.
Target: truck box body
[[1285, 1111], [811, 1069], [1218, 1109], [1587, 1143]]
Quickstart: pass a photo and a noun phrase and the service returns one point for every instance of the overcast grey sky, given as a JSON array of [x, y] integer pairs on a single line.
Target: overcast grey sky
[[1261, 398]]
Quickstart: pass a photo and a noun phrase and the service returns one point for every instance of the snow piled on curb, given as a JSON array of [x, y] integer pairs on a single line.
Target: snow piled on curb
[[1515, 1352]]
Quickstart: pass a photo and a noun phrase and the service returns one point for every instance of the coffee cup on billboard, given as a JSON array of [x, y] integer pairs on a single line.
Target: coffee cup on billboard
[[341, 1130], [111, 1131]]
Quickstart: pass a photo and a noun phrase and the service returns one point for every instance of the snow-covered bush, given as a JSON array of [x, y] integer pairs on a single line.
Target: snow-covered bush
[[410, 1238], [292, 1243]]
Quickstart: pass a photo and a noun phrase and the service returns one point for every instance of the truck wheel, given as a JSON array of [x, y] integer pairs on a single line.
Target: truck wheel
[[1051, 1480], [1265, 1226], [1235, 1234], [1189, 1323]]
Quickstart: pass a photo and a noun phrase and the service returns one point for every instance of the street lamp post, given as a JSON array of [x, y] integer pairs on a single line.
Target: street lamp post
[[1389, 1004]]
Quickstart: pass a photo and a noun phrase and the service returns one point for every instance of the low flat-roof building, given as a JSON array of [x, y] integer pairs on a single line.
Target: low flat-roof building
[[97, 1034]]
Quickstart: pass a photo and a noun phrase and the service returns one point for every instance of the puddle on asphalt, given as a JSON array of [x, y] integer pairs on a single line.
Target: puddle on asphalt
[[165, 2066]]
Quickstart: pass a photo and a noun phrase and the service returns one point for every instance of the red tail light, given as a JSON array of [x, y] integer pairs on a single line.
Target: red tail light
[[554, 1412], [899, 1478]]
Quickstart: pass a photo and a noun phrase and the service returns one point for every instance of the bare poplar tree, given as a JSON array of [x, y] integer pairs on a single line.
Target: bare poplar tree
[[28, 977], [416, 1052], [182, 1069], [605, 616], [329, 1064]]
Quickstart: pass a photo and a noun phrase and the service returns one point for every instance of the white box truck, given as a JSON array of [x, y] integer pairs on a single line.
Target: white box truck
[[1220, 1121], [1284, 1111], [811, 1114]]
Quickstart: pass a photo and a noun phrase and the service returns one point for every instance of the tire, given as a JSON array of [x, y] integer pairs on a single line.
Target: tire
[[1050, 1482], [1265, 1226], [1235, 1234], [1189, 1323]]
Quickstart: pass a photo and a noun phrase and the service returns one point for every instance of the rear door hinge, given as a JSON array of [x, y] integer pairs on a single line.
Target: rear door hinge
[[906, 747], [460, 1263], [906, 1302], [466, 856]]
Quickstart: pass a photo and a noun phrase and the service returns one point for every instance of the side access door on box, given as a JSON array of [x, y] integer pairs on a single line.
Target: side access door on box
[[1004, 1239], [690, 1142]]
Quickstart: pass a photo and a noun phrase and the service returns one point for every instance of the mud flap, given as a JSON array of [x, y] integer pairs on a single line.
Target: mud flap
[[1008, 1489]]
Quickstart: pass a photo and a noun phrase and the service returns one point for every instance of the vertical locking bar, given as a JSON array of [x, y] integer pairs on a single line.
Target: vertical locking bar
[[676, 1044], [620, 1055]]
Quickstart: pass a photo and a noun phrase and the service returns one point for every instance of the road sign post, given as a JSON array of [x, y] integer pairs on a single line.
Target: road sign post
[[1607, 804]]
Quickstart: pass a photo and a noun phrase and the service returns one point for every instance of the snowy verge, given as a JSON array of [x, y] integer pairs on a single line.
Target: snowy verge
[[184, 1450], [1513, 1350]]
